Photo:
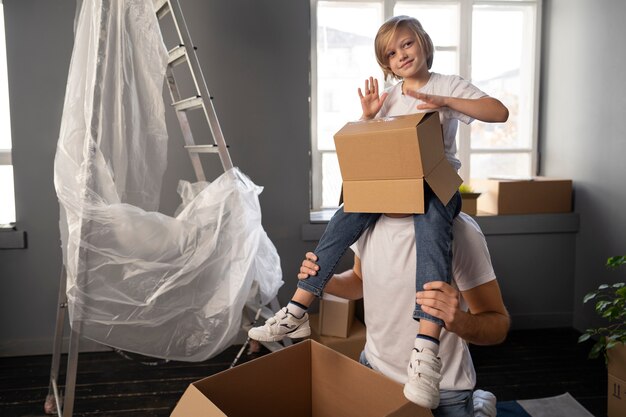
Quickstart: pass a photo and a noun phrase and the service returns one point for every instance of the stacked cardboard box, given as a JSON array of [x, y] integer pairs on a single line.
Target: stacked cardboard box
[[617, 382], [336, 316], [524, 196], [350, 346], [306, 379], [385, 164]]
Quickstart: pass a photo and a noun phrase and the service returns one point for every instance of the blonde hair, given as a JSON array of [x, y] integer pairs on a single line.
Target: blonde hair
[[388, 30]]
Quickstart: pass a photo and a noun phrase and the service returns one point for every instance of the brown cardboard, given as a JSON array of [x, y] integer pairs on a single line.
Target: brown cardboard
[[350, 346], [336, 316], [469, 203], [616, 395], [385, 162], [524, 196], [305, 379]]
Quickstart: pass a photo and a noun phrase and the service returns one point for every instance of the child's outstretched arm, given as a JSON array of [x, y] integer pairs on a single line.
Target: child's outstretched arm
[[486, 109], [371, 102]]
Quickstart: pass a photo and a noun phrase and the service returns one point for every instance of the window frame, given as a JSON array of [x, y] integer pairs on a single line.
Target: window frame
[[464, 148], [6, 158]]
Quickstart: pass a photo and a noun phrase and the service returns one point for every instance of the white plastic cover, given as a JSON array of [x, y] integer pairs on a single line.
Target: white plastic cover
[[138, 280]]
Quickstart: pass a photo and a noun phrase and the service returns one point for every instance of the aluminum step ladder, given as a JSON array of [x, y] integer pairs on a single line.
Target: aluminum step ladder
[[62, 404]]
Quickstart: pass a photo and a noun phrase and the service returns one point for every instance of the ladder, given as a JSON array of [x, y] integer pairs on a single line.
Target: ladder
[[62, 404]]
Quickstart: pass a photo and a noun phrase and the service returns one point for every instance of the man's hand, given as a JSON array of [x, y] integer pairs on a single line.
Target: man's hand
[[371, 102], [487, 321], [441, 300], [308, 267]]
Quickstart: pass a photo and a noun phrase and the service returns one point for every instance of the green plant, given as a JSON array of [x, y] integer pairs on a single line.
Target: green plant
[[466, 189], [611, 305]]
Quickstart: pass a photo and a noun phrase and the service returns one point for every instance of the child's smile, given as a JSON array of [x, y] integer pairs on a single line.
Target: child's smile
[[405, 56]]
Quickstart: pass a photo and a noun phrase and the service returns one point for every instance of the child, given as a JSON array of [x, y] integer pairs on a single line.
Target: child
[[404, 51]]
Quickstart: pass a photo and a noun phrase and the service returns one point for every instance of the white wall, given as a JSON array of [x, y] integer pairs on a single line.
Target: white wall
[[583, 130]]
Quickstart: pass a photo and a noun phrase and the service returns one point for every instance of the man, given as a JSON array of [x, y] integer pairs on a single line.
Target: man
[[471, 308]]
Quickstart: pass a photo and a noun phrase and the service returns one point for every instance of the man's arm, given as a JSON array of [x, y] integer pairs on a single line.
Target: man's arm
[[348, 284], [486, 323]]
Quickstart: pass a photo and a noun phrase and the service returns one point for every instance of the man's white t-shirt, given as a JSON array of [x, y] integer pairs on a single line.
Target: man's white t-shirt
[[387, 253], [398, 104]]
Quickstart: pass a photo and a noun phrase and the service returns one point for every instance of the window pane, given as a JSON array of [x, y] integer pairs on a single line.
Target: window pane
[[500, 165], [345, 58], [5, 120], [441, 22], [7, 207], [503, 66], [331, 180]]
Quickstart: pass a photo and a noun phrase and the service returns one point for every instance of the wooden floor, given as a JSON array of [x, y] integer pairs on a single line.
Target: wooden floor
[[530, 364]]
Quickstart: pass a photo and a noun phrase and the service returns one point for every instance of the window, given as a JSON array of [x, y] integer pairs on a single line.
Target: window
[[7, 195], [492, 43]]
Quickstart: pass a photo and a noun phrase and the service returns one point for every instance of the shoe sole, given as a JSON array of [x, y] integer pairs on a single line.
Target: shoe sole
[[418, 399], [260, 337]]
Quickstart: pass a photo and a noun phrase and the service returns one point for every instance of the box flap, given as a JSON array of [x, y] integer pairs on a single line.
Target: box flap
[[248, 386], [195, 403], [342, 387], [381, 124], [444, 181]]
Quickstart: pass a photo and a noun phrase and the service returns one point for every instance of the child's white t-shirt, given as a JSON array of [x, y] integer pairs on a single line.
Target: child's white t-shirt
[[398, 104], [387, 253]]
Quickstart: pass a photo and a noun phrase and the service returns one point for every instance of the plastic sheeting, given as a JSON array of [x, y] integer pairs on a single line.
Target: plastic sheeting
[[137, 280]]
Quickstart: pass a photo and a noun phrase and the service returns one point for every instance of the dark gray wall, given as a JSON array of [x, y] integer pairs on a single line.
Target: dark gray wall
[[255, 55], [583, 134]]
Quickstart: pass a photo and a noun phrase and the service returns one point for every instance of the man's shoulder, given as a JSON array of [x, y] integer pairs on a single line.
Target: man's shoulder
[[466, 226]]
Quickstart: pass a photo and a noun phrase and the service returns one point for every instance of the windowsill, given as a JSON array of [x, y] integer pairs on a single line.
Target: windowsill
[[512, 224], [11, 238]]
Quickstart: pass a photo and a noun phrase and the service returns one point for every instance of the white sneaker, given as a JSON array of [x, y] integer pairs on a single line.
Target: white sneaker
[[424, 371], [283, 324]]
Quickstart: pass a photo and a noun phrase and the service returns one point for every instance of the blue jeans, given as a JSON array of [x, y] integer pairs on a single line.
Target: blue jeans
[[433, 244], [451, 403]]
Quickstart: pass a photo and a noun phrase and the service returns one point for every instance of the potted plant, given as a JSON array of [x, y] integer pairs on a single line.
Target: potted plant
[[610, 304], [468, 197]]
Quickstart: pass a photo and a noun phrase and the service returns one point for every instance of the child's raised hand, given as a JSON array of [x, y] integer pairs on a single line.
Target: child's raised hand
[[431, 101], [308, 267], [371, 102]]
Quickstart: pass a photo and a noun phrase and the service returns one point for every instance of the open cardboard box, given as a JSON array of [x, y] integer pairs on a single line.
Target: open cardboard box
[[386, 162], [305, 379], [524, 196]]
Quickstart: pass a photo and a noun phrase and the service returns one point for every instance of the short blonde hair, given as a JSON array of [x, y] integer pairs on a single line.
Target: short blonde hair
[[386, 32]]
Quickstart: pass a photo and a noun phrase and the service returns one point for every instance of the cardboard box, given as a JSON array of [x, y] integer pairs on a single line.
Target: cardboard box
[[350, 346], [305, 379], [336, 316], [386, 162], [616, 396], [469, 203], [524, 196]]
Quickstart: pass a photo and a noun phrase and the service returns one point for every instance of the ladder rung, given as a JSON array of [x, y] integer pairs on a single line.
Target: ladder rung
[[177, 55], [202, 148], [188, 103], [161, 7]]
